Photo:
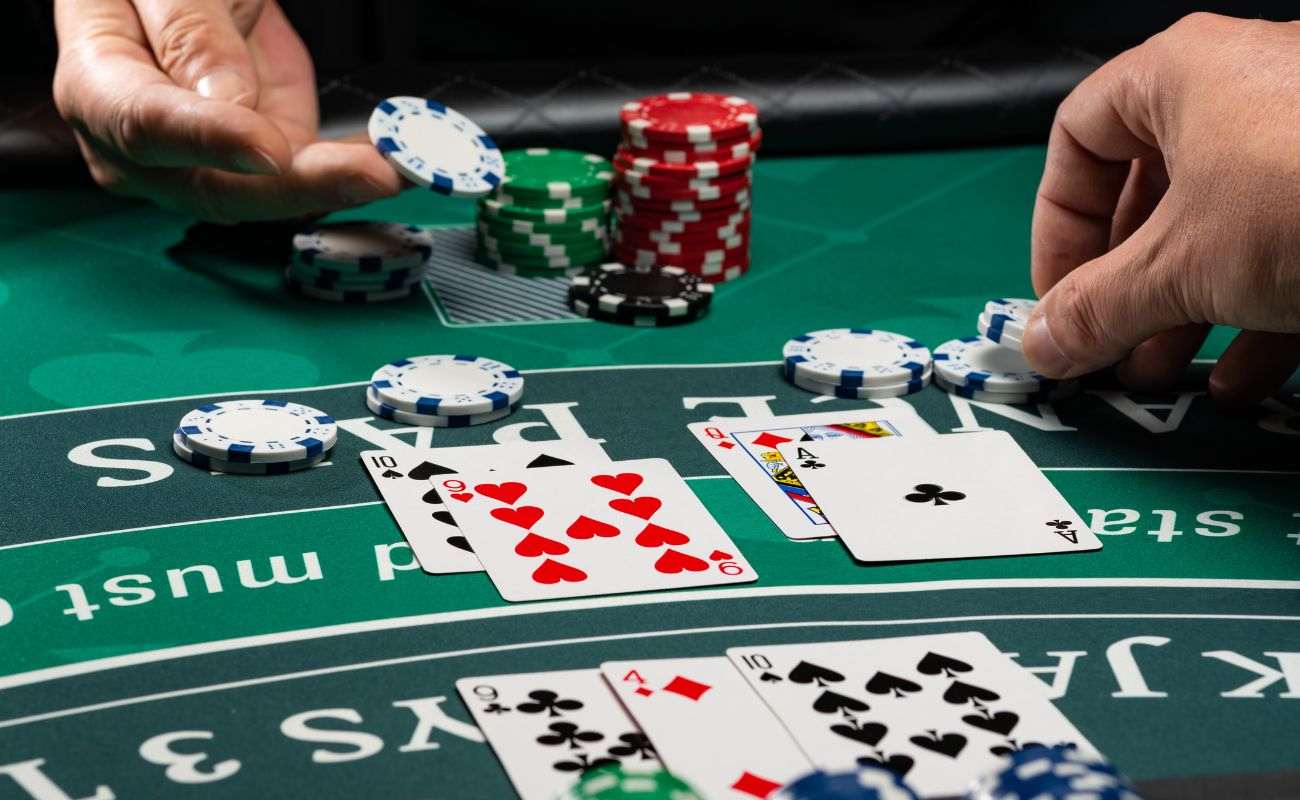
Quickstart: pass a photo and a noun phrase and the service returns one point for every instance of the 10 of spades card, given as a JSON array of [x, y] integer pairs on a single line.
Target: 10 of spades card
[[937, 710]]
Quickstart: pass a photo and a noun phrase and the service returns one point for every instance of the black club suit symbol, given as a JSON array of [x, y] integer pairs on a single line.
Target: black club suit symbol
[[1059, 524], [933, 493]]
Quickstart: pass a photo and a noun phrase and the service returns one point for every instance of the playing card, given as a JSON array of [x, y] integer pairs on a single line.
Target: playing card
[[707, 725], [746, 449], [625, 526], [956, 496], [547, 728], [403, 478], [938, 710]]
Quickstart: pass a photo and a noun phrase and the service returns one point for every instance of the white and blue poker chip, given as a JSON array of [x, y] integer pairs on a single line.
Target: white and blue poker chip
[[1006, 317], [862, 392], [257, 431], [984, 365], [855, 357], [1051, 772], [363, 246], [447, 385], [437, 147], [239, 468], [388, 412], [1063, 391]]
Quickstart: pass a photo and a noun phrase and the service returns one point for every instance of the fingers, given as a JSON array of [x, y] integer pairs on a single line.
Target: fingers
[[1253, 367], [1146, 185], [1099, 129], [1099, 312], [325, 176], [108, 87], [198, 44], [1158, 363]]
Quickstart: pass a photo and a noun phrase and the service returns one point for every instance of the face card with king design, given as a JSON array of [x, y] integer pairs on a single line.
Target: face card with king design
[[747, 449], [547, 728], [937, 710], [403, 478], [961, 495], [626, 526], [708, 726]]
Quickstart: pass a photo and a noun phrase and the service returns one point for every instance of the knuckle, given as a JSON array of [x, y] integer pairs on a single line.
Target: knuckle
[[185, 37]]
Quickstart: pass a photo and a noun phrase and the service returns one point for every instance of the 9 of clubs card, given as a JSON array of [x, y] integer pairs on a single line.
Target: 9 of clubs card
[[747, 449], [547, 728], [625, 526], [403, 478], [961, 495], [707, 725], [938, 710]]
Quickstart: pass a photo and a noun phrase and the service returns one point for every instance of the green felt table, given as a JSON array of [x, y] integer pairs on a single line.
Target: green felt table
[[163, 630]]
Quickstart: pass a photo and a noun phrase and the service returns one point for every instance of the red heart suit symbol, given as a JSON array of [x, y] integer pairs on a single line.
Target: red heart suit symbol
[[643, 507], [533, 545], [675, 561], [506, 493], [584, 527], [464, 497], [653, 535], [552, 572], [524, 516], [720, 555], [623, 483]]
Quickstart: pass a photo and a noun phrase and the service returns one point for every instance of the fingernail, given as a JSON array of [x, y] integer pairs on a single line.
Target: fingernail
[[226, 85], [1042, 351], [257, 162], [362, 190]]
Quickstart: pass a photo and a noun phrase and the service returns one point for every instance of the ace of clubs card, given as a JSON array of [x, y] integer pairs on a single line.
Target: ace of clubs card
[[961, 495]]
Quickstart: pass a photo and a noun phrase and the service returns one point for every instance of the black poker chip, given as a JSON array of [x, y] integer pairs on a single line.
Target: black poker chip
[[640, 294]]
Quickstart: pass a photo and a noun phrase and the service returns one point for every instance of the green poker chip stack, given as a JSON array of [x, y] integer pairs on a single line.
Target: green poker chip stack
[[550, 215]]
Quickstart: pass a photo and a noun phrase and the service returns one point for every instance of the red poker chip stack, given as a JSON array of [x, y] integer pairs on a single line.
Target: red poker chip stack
[[682, 183]]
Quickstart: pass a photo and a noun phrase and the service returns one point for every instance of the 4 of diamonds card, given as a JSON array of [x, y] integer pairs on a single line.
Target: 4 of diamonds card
[[937, 710], [625, 526], [747, 449], [403, 478], [707, 725], [962, 495], [547, 728]]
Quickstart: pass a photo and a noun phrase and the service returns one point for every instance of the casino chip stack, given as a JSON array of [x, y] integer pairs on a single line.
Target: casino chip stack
[[990, 368], [358, 262], [550, 215], [254, 437], [682, 192], [857, 363], [616, 783], [444, 391], [1054, 773], [864, 783], [644, 295]]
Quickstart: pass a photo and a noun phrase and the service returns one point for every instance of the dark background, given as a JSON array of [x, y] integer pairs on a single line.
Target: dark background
[[827, 76]]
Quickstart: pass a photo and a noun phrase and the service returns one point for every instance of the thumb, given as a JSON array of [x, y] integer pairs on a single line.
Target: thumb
[[200, 46], [1094, 316]]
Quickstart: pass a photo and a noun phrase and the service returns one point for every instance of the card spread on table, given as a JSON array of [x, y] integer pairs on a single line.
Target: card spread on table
[[403, 478], [960, 495], [939, 710], [625, 526], [708, 727], [747, 449], [547, 728]]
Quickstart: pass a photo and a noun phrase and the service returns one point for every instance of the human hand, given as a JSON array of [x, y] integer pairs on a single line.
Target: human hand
[[1170, 202], [207, 107]]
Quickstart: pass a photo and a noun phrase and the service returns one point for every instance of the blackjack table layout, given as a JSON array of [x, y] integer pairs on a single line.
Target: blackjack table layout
[[166, 631]]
